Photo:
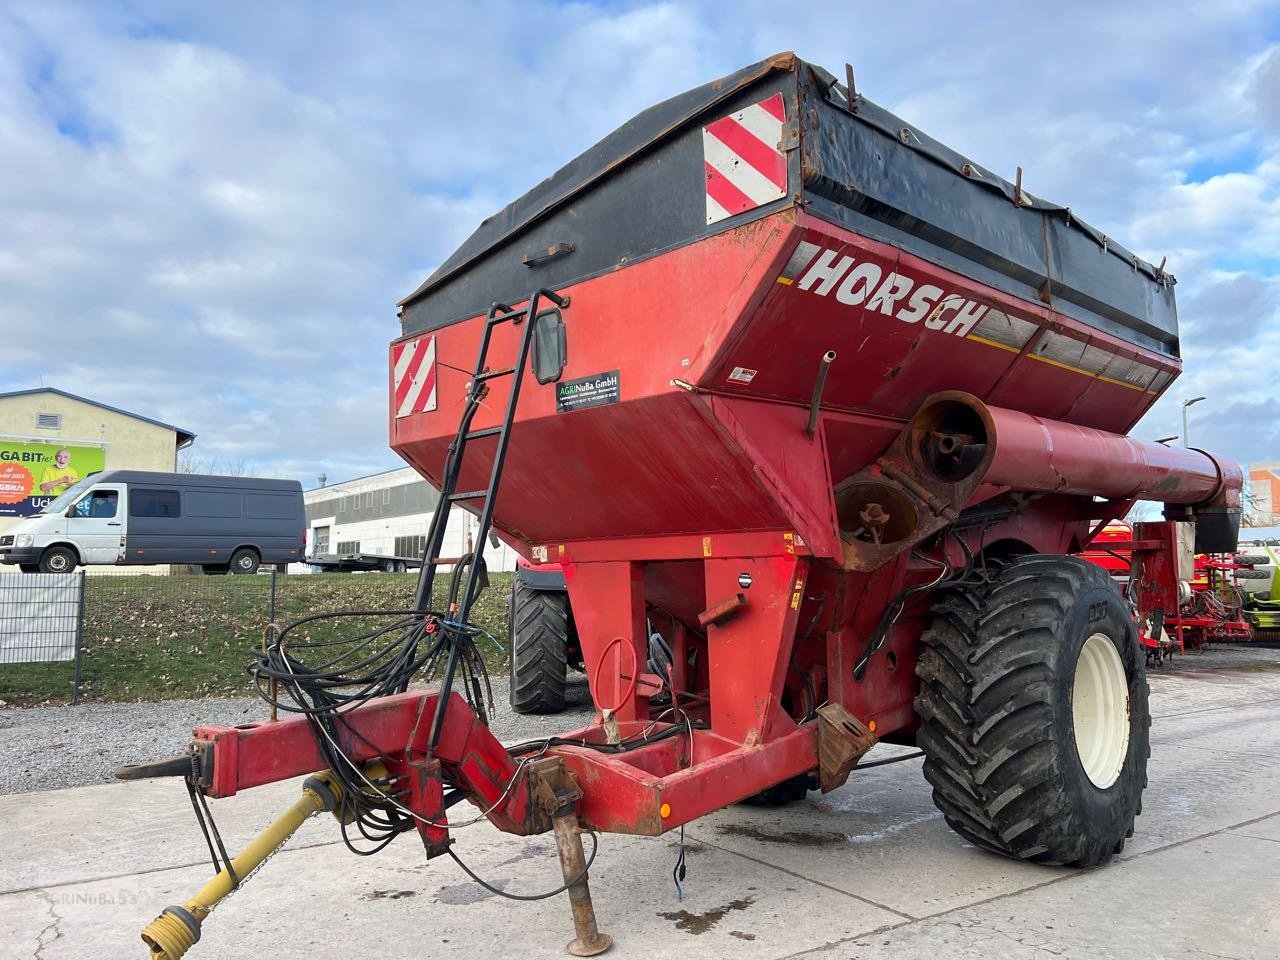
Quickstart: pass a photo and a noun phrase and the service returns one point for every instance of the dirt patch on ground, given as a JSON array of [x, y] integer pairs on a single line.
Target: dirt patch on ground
[[697, 923], [793, 838]]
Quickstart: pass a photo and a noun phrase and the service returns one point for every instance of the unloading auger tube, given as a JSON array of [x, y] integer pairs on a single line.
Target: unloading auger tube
[[956, 451], [1030, 453]]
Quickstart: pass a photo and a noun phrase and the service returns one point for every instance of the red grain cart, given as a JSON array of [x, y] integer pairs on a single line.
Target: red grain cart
[[812, 412]]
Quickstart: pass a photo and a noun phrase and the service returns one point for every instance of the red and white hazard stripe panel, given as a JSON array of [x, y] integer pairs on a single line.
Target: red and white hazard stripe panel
[[414, 363], [745, 165]]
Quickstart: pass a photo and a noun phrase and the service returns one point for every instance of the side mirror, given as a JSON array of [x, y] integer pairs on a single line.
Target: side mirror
[[550, 349], [71, 511]]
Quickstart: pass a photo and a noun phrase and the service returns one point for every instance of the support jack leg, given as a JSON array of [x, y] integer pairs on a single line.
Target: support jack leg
[[589, 941]]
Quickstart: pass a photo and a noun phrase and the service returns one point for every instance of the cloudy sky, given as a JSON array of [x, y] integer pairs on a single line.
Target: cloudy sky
[[208, 210]]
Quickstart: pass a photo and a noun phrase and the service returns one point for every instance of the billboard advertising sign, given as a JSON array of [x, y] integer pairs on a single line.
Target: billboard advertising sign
[[32, 472]]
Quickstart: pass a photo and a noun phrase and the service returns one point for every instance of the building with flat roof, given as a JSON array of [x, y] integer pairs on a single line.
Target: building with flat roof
[[1264, 494], [388, 515], [49, 439]]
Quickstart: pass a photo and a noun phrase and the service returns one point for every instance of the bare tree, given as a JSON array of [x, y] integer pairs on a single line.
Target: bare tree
[[1251, 509], [189, 462], [1145, 510]]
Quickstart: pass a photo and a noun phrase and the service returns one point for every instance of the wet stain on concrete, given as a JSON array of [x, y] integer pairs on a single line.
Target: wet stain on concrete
[[697, 923], [389, 894], [742, 936], [1188, 670], [530, 850], [462, 894], [1271, 666], [793, 838]]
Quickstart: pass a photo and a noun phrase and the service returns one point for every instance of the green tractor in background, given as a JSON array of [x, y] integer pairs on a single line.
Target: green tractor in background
[[1262, 595]]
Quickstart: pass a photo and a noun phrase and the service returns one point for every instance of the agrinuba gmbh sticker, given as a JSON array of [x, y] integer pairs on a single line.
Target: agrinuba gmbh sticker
[[596, 390]]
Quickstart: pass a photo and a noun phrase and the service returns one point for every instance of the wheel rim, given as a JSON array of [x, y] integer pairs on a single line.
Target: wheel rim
[[1100, 711], [58, 563], [246, 562]]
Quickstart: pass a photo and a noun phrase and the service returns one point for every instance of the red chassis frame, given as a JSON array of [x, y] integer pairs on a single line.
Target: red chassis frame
[[781, 634], [625, 794], [742, 695], [752, 743]]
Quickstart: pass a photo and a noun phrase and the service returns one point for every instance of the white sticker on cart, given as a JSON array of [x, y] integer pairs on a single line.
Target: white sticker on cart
[[742, 374]]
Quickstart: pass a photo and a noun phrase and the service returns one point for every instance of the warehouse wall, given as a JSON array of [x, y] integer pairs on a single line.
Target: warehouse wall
[[383, 514], [1264, 488]]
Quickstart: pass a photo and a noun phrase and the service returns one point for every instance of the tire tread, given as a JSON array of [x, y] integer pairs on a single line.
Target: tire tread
[[987, 669], [539, 649]]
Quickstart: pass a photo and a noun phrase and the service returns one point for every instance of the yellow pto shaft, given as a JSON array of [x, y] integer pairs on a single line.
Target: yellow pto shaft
[[177, 929]]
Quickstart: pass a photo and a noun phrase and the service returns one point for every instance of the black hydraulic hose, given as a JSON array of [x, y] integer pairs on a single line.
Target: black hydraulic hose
[[819, 385], [887, 760], [595, 847]]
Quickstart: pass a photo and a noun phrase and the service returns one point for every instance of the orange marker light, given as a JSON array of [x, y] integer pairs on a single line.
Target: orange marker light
[[871, 726], [664, 811]]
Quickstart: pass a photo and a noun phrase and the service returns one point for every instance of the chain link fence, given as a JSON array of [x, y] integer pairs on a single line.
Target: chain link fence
[[42, 622], [141, 637]]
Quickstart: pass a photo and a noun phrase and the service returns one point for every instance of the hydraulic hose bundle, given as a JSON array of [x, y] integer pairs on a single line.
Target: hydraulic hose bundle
[[325, 678]]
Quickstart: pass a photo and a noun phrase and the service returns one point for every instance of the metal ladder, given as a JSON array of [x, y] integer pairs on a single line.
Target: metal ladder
[[463, 590]]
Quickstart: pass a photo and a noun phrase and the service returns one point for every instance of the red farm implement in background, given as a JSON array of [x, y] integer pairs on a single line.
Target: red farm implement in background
[[812, 413], [1191, 603]]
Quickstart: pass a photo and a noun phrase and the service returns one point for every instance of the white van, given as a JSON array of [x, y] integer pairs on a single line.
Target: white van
[[224, 524]]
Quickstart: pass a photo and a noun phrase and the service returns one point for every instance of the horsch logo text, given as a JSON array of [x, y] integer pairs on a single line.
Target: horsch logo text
[[865, 284]]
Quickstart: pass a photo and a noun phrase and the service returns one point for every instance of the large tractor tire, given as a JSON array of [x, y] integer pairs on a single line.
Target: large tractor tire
[[1253, 574], [539, 649], [1035, 721]]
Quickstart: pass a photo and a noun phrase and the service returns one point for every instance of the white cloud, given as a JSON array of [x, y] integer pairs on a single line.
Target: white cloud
[[1264, 87], [209, 211], [1239, 209]]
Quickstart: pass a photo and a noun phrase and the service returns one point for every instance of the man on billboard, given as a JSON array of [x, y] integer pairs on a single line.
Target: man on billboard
[[59, 475], [33, 473]]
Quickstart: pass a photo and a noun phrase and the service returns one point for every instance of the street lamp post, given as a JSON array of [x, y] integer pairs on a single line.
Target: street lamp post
[[1186, 438]]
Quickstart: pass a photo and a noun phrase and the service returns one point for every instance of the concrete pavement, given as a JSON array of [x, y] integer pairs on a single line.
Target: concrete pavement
[[870, 870]]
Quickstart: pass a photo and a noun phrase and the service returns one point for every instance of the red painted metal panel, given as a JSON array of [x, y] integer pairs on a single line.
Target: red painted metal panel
[[650, 464], [748, 653], [608, 602], [904, 328], [792, 465], [768, 543], [251, 755], [621, 797]]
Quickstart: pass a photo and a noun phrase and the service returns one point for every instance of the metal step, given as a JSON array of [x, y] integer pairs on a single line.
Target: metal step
[[514, 317], [469, 495], [491, 374], [487, 432]]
